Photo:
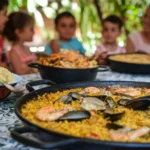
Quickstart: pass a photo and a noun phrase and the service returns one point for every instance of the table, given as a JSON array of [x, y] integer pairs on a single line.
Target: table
[[9, 120]]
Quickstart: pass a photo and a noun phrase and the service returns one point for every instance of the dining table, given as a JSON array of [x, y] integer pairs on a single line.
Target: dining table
[[9, 120]]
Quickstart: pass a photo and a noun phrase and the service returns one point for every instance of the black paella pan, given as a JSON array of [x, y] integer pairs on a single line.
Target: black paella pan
[[125, 67], [52, 140], [66, 75]]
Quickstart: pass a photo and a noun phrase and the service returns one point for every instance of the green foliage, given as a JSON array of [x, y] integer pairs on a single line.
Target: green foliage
[[89, 14]]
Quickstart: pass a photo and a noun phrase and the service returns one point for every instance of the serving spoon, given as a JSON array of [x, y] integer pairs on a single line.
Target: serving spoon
[[18, 91]]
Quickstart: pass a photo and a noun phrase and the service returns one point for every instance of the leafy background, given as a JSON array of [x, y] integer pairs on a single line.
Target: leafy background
[[88, 13]]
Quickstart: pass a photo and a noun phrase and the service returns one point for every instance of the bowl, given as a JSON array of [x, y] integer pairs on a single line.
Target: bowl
[[4, 92]]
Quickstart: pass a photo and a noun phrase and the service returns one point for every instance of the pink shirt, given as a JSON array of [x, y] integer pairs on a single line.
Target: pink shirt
[[139, 43], [23, 58], [101, 48]]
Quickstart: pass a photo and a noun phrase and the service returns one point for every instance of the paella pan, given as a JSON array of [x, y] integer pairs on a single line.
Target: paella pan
[[68, 66], [134, 63], [119, 120]]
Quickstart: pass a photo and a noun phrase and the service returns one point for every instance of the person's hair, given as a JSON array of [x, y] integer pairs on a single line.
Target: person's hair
[[16, 20], [3, 3], [63, 14], [115, 20]]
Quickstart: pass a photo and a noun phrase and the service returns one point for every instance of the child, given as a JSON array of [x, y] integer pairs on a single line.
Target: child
[[19, 29], [111, 29], [3, 19], [65, 25]]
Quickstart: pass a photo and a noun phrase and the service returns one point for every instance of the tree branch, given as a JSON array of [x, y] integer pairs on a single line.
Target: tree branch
[[98, 8]]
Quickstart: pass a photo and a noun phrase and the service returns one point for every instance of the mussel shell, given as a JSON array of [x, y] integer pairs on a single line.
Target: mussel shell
[[75, 115], [75, 96], [66, 99], [122, 102], [109, 113], [142, 103], [101, 97], [113, 126], [110, 102], [92, 103]]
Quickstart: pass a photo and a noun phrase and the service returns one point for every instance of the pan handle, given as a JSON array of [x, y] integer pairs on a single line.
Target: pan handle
[[34, 65], [16, 134], [102, 68], [30, 85]]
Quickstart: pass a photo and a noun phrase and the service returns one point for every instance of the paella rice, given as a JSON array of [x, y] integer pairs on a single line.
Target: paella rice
[[95, 126], [132, 58]]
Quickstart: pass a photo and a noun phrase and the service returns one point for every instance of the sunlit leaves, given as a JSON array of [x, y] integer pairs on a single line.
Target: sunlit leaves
[[31, 6], [49, 12], [42, 3], [38, 18]]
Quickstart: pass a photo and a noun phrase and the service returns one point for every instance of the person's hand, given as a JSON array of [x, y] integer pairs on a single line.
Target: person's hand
[[102, 58]]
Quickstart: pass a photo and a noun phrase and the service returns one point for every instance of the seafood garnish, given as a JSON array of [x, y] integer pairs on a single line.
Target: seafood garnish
[[141, 103], [93, 103], [92, 89], [49, 113], [75, 115], [123, 135], [112, 115], [129, 91], [67, 99], [114, 126], [110, 102]]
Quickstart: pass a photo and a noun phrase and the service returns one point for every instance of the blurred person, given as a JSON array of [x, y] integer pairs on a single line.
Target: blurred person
[[3, 19], [111, 30], [65, 26], [140, 41], [19, 29]]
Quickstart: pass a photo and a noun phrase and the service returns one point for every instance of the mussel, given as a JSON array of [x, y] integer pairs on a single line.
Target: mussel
[[141, 103], [75, 115], [75, 96], [66, 99], [114, 126], [110, 102], [93, 103], [101, 97], [112, 115], [122, 102]]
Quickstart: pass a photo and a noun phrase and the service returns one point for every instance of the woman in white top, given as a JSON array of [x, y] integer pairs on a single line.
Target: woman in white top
[[140, 41]]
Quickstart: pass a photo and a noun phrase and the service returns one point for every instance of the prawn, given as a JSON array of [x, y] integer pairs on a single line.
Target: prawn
[[128, 91], [129, 135], [49, 113], [92, 89]]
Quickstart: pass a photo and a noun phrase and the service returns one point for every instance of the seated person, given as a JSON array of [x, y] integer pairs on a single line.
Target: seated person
[[140, 41], [65, 25], [111, 30], [19, 29]]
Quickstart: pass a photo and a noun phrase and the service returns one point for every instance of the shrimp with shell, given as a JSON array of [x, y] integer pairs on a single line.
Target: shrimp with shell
[[49, 113]]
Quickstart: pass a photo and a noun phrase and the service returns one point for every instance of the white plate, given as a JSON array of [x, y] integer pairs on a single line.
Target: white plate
[[17, 79]]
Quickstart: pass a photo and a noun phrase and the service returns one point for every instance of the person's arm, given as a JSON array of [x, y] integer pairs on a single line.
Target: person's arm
[[130, 46], [19, 66], [55, 46]]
